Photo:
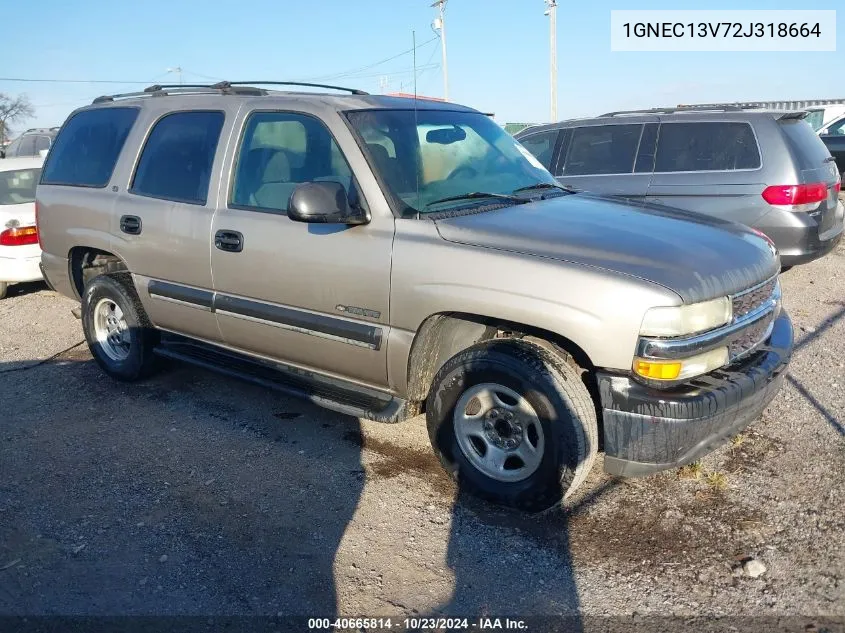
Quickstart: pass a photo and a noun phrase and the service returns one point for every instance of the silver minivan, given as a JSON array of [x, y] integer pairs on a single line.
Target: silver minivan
[[765, 169]]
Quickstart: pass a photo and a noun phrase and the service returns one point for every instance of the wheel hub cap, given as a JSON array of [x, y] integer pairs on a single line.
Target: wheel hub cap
[[111, 330], [499, 432]]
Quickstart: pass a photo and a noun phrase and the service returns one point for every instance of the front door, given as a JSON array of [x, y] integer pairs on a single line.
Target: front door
[[315, 296], [611, 159]]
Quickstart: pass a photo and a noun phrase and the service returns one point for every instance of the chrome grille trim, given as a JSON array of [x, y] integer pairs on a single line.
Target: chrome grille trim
[[749, 300], [742, 336]]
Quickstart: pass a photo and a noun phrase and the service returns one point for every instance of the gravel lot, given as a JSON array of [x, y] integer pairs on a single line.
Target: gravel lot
[[195, 494]]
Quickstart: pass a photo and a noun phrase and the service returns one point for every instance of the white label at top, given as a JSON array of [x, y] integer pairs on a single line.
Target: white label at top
[[717, 30]]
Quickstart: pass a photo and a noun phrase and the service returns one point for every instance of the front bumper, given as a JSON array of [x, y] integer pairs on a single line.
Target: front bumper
[[647, 430]]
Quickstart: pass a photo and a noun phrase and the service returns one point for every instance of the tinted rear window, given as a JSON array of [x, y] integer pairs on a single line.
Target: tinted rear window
[[177, 158], [18, 186], [602, 149], [86, 150], [807, 148], [706, 146]]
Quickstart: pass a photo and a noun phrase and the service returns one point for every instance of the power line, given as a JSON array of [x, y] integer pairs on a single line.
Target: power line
[[373, 65]]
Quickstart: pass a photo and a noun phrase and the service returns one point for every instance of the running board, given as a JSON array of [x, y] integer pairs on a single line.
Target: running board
[[330, 393]]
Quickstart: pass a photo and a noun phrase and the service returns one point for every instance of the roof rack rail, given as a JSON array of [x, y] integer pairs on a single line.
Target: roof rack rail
[[227, 84], [221, 87], [690, 108]]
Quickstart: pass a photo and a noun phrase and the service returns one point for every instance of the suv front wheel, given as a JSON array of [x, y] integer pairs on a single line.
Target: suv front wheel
[[116, 328], [513, 423]]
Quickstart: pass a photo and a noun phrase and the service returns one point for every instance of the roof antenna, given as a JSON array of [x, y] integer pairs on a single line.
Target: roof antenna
[[416, 118]]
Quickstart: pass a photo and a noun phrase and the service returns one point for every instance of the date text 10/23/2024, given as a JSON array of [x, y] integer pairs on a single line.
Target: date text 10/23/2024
[[417, 624]]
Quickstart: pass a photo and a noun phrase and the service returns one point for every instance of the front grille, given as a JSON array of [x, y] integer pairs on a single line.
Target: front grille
[[750, 300], [744, 304], [751, 336]]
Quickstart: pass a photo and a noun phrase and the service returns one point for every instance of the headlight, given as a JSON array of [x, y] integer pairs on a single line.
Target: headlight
[[683, 368], [686, 319]]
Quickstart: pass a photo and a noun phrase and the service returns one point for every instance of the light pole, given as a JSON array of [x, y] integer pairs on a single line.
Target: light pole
[[440, 24], [551, 11]]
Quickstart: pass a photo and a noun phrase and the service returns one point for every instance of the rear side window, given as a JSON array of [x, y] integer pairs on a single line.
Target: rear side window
[[542, 145], [808, 149], [706, 146], [18, 186], [86, 150], [177, 157], [602, 149]]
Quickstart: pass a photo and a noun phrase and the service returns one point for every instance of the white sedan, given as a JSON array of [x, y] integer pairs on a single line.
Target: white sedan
[[20, 254]]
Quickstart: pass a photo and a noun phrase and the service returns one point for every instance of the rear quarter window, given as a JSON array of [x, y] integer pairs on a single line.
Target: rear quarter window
[[86, 150], [806, 146], [706, 146]]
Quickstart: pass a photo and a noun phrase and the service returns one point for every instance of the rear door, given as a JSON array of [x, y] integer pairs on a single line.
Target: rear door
[[611, 159], [710, 166], [161, 224]]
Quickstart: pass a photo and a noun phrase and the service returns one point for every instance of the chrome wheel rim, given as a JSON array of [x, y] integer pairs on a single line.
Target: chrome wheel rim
[[111, 330], [499, 432]]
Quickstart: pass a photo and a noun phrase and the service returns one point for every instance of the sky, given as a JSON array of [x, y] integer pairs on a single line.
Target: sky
[[498, 53]]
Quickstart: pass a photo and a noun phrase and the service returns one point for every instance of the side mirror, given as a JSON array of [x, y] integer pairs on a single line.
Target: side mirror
[[324, 202]]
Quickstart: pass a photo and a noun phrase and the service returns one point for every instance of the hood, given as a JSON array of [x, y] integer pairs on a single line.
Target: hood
[[695, 256], [24, 213]]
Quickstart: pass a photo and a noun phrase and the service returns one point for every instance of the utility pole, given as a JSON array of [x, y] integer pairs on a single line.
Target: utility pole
[[551, 11], [440, 24]]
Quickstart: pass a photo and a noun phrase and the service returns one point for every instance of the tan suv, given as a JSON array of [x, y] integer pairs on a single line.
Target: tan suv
[[384, 256]]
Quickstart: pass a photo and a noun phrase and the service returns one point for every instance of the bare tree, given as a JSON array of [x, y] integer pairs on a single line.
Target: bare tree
[[13, 109]]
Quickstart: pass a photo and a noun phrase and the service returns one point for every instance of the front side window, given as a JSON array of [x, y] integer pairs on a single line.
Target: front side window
[[706, 146], [177, 157], [602, 149], [542, 145], [425, 156], [278, 152], [18, 186], [85, 151], [837, 128]]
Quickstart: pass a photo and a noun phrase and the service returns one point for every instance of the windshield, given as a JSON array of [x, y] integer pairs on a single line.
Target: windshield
[[425, 156], [18, 186], [815, 119]]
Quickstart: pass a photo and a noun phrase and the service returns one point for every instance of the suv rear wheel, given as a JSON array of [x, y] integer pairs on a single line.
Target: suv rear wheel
[[513, 423], [116, 328]]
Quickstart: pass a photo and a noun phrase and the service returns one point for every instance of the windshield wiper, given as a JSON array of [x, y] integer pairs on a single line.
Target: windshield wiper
[[481, 194], [547, 185]]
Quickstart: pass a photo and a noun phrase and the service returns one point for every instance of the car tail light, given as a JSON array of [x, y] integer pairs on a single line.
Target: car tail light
[[38, 232], [19, 236], [796, 197]]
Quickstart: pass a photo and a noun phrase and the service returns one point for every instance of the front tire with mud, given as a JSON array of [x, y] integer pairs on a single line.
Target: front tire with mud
[[513, 423], [117, 330]]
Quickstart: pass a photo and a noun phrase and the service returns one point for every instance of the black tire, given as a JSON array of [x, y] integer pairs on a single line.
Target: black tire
[[551, 383], [140, 362]]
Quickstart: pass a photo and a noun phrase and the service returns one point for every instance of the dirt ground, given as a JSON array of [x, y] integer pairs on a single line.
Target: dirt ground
[[194, 494]]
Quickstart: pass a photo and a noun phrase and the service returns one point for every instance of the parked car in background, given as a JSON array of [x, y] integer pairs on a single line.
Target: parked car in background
[[20, 255], [33, 142], [822, 118], [833, 136], [381, 256], [765, 169]]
